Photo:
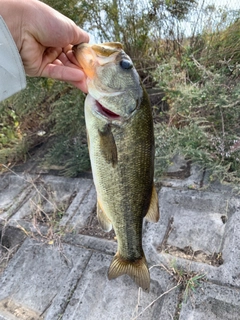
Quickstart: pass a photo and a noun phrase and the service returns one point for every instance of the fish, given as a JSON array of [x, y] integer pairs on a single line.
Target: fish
[[120, 138]]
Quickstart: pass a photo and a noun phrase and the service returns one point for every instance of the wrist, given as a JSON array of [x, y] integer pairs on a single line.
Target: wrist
[[12, 12]]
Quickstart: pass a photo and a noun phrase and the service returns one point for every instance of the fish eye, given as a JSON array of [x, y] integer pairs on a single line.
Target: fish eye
[[126, 64]]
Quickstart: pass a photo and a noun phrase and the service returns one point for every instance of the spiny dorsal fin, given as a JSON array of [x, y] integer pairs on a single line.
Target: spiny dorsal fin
[[103, 220], [137, 270], [116, 45], [107, 48], [153, 210], [108, 146]]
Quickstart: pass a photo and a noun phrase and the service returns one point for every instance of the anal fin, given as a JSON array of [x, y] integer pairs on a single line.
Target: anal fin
[[137, 270], [103, 220], [153, 210]]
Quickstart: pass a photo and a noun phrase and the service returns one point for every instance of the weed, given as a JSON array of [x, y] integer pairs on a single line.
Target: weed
[[188, 281], [5, 255], [191, 284], [45, 109], [203, 123], [185, 280]]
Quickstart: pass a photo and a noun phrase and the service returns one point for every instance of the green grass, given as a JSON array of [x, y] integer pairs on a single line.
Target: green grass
[[45, 109], [203, 123]]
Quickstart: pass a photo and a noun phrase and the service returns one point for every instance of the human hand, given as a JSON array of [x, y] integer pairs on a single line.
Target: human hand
[[44, 38]]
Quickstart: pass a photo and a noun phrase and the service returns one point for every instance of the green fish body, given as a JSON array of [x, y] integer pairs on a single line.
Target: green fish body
[[121, 147]]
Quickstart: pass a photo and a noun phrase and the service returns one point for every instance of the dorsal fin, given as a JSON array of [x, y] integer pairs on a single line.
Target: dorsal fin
[[107, 48]]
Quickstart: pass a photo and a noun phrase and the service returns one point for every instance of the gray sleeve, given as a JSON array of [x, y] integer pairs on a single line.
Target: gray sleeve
[[12, 75]]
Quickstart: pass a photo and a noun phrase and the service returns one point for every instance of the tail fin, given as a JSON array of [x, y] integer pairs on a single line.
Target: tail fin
[[137, 270]]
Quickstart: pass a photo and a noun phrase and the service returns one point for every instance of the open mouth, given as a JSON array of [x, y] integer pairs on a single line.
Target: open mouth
[[106, 112]]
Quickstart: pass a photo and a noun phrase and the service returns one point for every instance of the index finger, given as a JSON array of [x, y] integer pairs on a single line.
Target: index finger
[[79, 35], [53, 29]]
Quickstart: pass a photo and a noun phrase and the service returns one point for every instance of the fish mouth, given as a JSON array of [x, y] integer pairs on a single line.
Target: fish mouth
[[100, 109]]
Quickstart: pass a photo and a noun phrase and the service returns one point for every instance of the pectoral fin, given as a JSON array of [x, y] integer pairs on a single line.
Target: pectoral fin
[[103, 220], [153, 211], [108, 146]]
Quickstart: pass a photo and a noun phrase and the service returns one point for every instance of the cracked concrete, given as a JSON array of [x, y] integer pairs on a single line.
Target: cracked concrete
[[54, 256]]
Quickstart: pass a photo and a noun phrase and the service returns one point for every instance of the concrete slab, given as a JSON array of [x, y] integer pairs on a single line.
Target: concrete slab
[[10, 240], [23, 194], [98, 298], [44, 201], [14, 191], [92, 243], [49, 195], [183, 175], [198, 232], [37, 274], [80, 210], [189, 218], [68, 282], [212, 302], [179, 168], [229, 272], [10, 187]]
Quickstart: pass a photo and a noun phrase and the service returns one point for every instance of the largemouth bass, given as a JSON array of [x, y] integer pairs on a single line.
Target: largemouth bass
[[121, 147]]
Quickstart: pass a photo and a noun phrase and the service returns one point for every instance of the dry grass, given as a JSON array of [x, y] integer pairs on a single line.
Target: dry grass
[[5, 255], [154, 301], [42, 226], [186, 281]]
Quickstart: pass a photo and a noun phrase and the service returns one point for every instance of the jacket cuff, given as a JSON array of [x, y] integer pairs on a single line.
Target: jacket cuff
[[12, 74]]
